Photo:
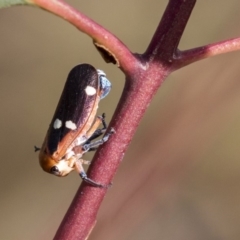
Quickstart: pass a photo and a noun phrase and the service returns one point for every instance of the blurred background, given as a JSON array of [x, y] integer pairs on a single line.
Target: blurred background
[[180, 178]]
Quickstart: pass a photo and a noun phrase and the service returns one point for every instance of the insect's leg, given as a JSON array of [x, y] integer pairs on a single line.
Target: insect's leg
[[104, 122], [94, 145], [86, 162], [94, 127], [98, 132], [83, 175]]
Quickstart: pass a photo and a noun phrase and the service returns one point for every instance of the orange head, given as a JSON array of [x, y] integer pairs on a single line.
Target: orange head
[[58, 168]]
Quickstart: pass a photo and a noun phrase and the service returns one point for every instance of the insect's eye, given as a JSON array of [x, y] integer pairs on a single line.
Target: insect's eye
[[54, 170], [105, 86]]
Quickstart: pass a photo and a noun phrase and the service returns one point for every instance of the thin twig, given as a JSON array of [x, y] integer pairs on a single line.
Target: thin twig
[[187, 57], [99, 34]]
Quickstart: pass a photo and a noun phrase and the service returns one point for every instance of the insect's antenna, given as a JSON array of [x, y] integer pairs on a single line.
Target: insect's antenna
[[36, 149]]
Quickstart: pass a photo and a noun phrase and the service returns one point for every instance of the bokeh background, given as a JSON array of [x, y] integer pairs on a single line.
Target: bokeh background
[[180, 178]]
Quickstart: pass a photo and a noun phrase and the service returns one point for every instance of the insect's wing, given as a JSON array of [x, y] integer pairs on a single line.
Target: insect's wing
[[79, 99]]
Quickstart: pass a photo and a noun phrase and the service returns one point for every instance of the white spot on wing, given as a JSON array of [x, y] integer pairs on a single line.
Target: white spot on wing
[[90, 91], [69, 124], [57, 124]]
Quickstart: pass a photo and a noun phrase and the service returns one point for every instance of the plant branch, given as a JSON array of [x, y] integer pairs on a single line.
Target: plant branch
[[169, 32], [138, 93], [99, 34], [187, 57]]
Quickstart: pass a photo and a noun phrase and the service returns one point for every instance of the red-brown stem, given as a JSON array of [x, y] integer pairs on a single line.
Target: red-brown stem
[[169, 31], [98, 33], [81, 215]]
